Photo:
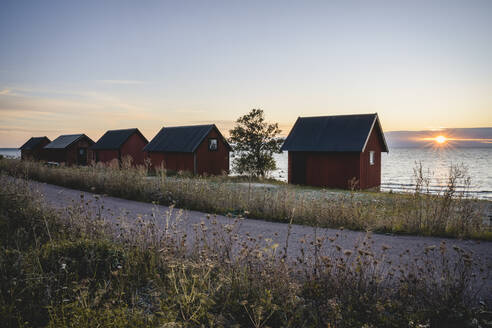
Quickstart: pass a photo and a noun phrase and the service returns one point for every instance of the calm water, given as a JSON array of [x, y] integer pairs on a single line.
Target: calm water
[[10, 152], [398, 175], [398, 165]]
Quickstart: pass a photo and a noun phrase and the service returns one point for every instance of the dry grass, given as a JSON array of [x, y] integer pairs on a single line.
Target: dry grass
[[74, 269], [448, 213]]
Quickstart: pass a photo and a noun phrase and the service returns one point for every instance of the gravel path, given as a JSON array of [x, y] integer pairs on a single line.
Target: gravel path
[[400, 248]]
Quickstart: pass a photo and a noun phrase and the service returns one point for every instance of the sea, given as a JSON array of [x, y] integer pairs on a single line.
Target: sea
[[397, 171], [10, 152]]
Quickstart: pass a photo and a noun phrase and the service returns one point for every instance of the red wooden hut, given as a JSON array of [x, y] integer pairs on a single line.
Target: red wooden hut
[[335, 151], [199, 149], [33, 148], [72, 149], [118, 144]]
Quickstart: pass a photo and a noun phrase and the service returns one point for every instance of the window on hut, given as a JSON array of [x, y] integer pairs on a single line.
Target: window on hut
[[212, 144], [371, 157]]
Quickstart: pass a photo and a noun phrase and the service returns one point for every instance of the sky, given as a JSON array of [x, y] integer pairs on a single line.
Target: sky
[[449, 138], [90, 66]]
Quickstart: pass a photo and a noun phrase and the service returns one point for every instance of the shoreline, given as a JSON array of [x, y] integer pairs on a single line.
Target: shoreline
[[484, 204], [392, 183]]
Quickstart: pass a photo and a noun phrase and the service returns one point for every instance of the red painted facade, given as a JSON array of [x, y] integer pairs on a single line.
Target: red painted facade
[[172, 161], [132, 147], [338, 169], [105, 156], [70, 155], [370, 175], [212, 162], [202, 161]]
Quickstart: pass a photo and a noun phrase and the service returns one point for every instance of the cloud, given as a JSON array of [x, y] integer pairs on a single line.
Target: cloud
[[18, 129], [53, 110], [8, 92], [462, 137], [63, 111], [124, 82], [190, 111], [69, 102]]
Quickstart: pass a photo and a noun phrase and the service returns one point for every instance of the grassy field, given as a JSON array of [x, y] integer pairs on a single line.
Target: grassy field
[[449, 213], [67, 270]]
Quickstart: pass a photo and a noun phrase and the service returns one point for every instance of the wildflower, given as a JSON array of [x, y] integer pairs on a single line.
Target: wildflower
[[63, 266]]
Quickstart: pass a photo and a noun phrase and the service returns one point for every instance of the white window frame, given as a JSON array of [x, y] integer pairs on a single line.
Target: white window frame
[[372, 158], [210, 143]]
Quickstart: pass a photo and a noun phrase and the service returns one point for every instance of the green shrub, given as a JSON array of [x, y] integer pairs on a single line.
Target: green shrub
[[23, 293], [81, 259], [77, 316], [24, 223]]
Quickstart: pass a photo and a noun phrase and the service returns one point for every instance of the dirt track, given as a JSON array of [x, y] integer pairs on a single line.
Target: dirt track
[[409, 246]]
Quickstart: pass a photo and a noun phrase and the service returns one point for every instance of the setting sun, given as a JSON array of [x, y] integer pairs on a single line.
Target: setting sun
[[441, 139]]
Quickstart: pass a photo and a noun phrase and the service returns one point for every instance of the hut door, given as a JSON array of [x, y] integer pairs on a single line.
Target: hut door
[[299, 168], [82, 156]]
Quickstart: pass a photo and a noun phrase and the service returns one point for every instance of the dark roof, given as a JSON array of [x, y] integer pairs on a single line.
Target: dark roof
[[184, 139], [66, 140], [332, 133], [34, 142], [114, 139]]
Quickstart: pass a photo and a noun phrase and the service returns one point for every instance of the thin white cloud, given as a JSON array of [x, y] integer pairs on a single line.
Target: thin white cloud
[[67, 101], [185, 111], [124, 82], [17, 129]]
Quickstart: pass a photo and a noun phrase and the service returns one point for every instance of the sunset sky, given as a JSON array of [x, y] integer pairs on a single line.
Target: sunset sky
[[89, 66]]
